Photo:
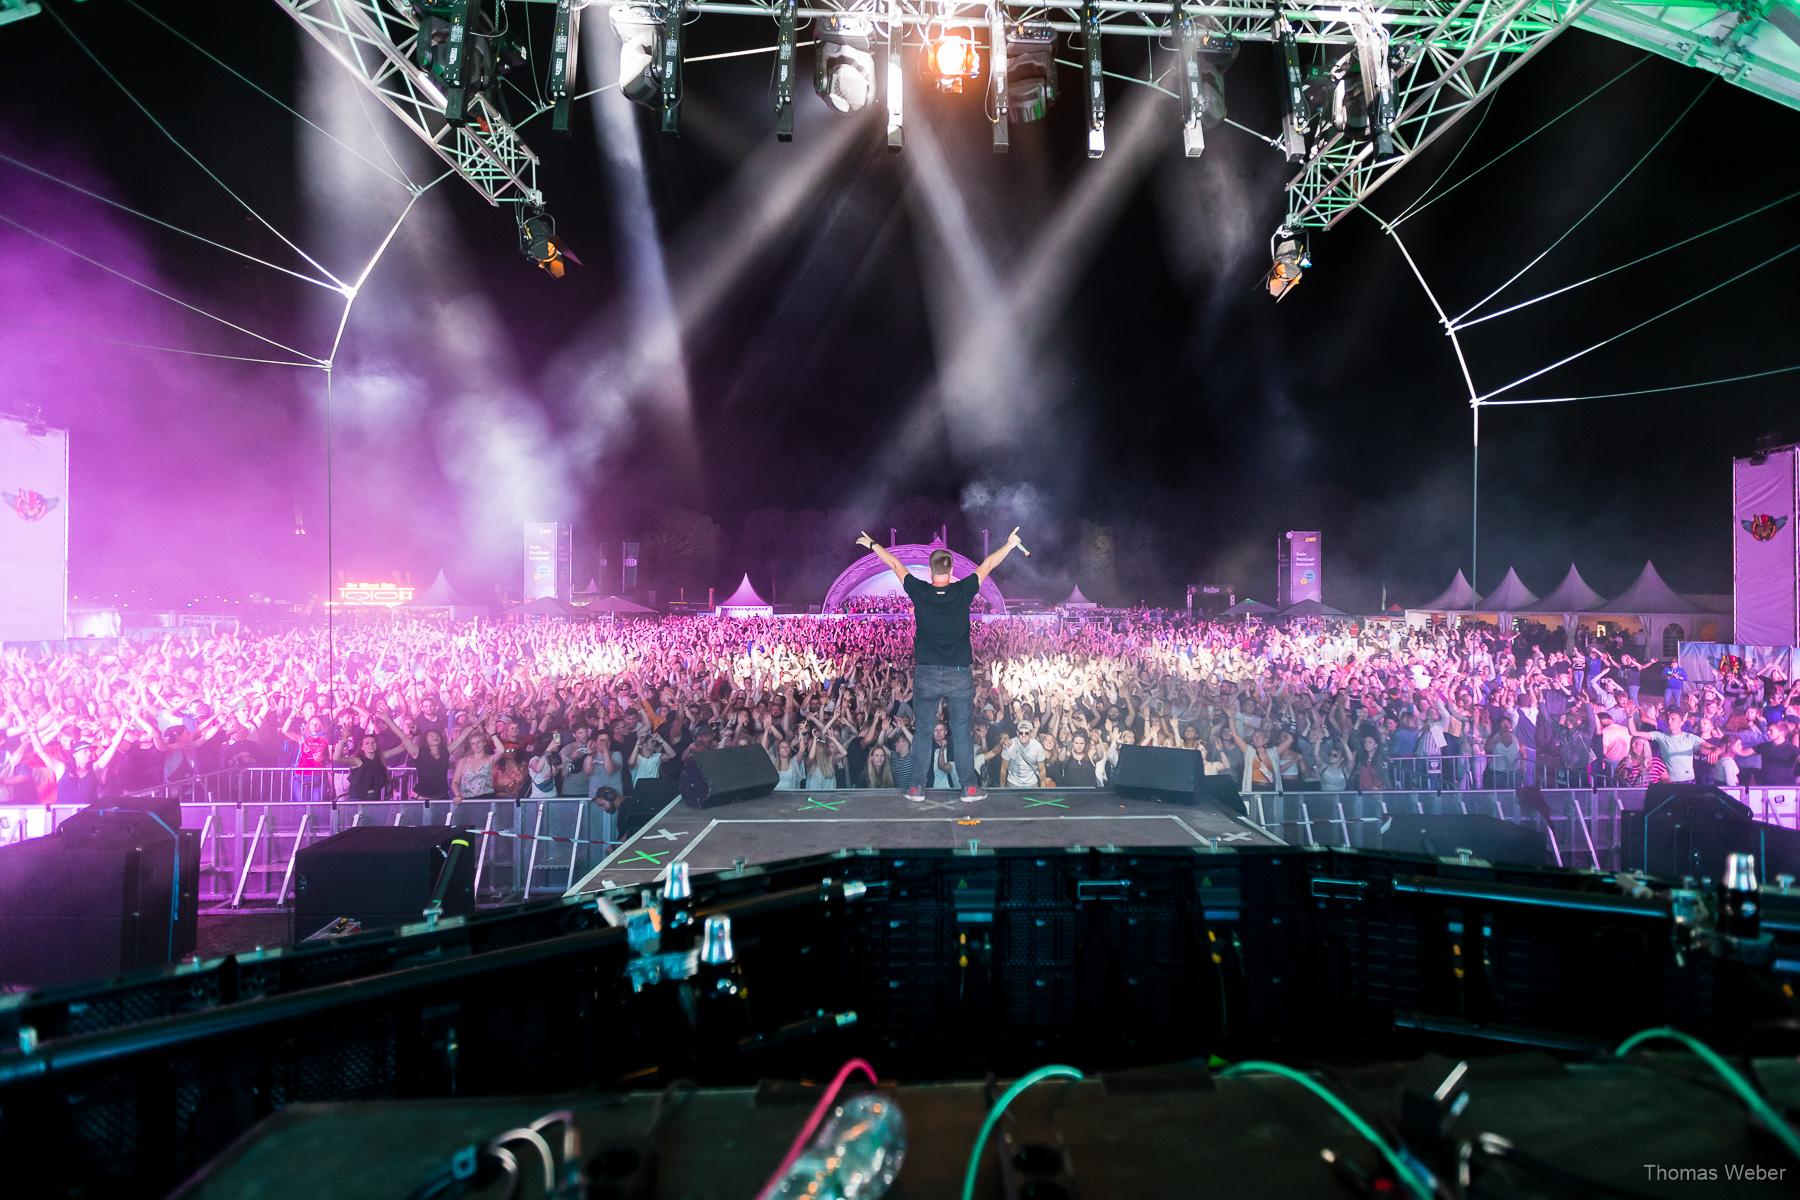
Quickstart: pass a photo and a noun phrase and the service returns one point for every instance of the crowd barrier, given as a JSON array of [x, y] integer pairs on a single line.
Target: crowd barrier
[[252, 823]]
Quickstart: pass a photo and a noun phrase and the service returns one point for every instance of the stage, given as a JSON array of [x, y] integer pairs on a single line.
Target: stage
[[788, 824]]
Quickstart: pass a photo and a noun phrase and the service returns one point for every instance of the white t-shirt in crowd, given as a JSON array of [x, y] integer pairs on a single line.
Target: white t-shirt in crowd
[[1022, 759]]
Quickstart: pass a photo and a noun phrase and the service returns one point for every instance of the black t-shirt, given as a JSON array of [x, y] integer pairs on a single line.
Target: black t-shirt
[[941, 621], [1779, 762]]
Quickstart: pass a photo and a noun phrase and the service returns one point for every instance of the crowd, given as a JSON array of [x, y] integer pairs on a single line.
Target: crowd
[[480, 709]]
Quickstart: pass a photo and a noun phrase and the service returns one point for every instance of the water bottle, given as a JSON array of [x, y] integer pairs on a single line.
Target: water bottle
[[855, 1155], [1740, 914]]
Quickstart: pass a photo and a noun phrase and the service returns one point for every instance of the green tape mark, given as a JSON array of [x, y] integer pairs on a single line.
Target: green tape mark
[[654, 857], [811, 804], [1030, 803]]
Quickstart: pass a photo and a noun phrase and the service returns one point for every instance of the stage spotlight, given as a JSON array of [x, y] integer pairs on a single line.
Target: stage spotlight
[[565, 47], [952, 61], [462, 49], [541, 246], [1288, 249], [844, 63], [1205, 54], [637, 27], [1030, 72]]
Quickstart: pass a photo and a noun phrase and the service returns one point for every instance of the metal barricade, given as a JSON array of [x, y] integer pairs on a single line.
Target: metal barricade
[[253, 823]]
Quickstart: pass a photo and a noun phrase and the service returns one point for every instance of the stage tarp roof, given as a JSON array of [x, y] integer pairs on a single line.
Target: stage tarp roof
[[1511, 596], [1649, 594], [1572, 595], [1458, 597]]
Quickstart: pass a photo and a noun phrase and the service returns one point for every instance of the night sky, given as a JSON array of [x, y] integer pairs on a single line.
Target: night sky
[[945, 334]]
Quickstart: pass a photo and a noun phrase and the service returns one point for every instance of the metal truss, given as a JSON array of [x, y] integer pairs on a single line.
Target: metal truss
[[1446, 71], [375, 42]]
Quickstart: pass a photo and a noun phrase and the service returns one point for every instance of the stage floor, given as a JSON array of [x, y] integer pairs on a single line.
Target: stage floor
[[791, 824]]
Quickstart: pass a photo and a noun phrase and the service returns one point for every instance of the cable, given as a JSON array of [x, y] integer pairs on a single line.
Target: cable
[[539, 1143], [1547, 124], [1763, 1110], [1402, 1171], [813, 1122], [993, 1118], [1672, 387], [1495, 1146], [1595, 207]]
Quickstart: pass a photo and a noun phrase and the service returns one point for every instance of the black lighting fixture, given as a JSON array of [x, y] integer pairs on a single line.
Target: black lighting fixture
[[1030, 71], [1375, 70], [786, 12], [952, 60], [650, 57], [1206, 52], [565, 46], [1096, 80], [1291, 259], [844, 62], [540, 244], [1296, 113], [464, 50]]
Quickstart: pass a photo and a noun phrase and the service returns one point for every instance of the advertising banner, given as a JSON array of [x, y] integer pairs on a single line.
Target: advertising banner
[[34, 532]]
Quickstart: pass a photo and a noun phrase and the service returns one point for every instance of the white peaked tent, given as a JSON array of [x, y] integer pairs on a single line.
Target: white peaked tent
[[1661, 610], [744, 602], [1458, 597], [1510, 597], [1571, 596], [591, 591], [1077, 600], [441, 596], [1249, 608]]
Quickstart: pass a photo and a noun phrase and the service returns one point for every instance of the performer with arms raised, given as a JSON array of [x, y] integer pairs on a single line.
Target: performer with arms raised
[[943, 661]]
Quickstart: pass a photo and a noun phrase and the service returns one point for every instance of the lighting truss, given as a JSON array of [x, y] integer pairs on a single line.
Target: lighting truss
[[375, 41]]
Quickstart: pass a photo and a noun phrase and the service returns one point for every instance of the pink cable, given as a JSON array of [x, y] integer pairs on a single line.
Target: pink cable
[[813, 1122]]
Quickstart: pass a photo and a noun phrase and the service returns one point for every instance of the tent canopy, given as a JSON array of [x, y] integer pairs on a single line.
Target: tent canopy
[[1511, 596], [1458, 597], [618, 604], [439, 595], [550, 606], [1312, 608], [1649, 594], [744, 597], [1249, 608], [1077, 600], [1572, 595]]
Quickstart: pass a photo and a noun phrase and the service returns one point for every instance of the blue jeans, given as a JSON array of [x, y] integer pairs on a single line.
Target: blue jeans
[[955, 686]]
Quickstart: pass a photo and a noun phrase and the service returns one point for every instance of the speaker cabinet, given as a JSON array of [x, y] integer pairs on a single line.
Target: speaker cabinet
[[381, 876], [729, 775]]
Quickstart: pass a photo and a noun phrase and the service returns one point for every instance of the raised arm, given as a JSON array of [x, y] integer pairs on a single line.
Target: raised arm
[[885, 555], [997, 557]]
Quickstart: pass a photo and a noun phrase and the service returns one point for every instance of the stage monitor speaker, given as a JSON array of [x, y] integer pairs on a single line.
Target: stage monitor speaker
[[1488, 838], [1158, 773], [381, 876], [1687, 829], [727, 776], [648, 797], [108, 892], [168, 808]]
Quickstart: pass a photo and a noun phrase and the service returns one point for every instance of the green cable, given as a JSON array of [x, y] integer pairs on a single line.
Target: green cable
[[1403, 1172], [993, 1117], [1779, 1127]]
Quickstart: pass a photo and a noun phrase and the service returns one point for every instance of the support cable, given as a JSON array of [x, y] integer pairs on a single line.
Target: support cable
[[80, 335], [1634, 262], [126, 208], [177, 143], [1674, 308], [263, 92], [1673, 387], [1540, 129], [1595, 207], [1420, 199], [26, 229]]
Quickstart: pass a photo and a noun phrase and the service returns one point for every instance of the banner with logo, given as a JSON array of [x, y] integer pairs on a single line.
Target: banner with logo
[[1765, 566], [34, 532], [1303, 562]]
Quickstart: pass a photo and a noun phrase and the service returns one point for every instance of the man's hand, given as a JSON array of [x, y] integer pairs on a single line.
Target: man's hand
[[865, 541]]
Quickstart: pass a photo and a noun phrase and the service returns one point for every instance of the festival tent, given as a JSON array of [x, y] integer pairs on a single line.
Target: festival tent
[[1077, 600], [745, 603], [444, 598], [587, 594], [549, 606], [620, 607], [1510, 597], [1458, 597], [1248, 608], [1312, 608], [1665, 616], [1571, 596]]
